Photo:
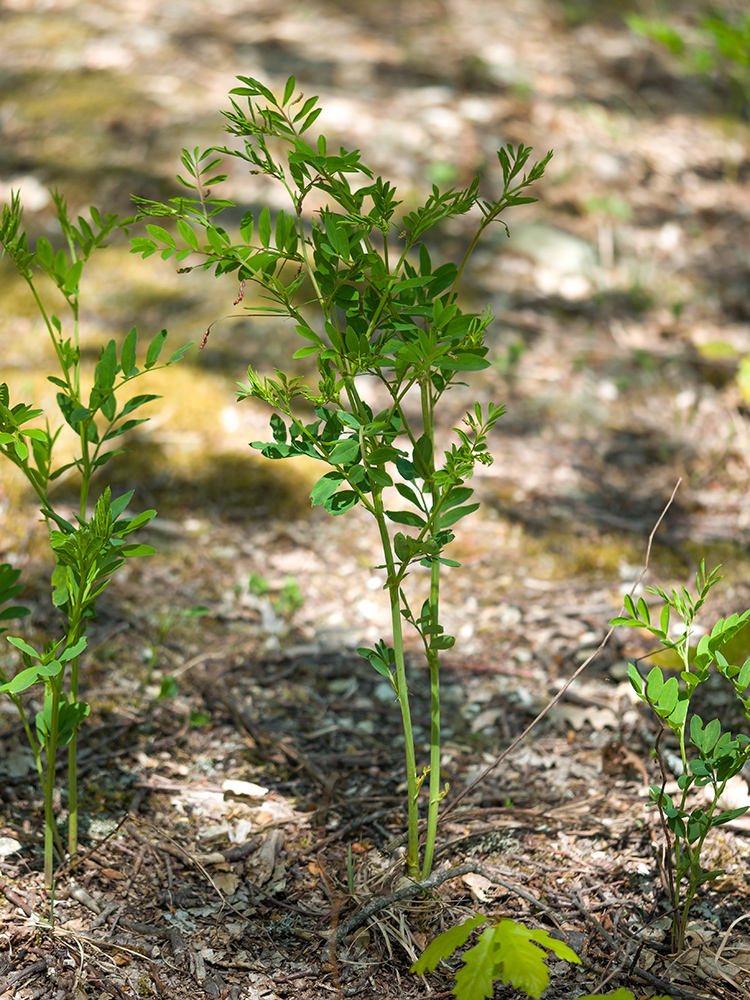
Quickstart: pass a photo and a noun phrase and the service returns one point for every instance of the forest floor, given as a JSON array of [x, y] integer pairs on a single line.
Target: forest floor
[[233, 827]]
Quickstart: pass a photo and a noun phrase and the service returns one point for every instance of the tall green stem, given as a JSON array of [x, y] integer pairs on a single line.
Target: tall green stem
[[434, 663], [50, 827], [402, 692]]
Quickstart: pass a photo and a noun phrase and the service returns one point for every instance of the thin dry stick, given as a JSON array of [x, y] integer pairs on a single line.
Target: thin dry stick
[[410, 889], [742, 916], [501, 757]]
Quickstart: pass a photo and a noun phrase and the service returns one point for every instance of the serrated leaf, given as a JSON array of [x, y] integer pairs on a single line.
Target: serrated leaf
[[520, 962], [474, 980], [560, 949], [446, 943]]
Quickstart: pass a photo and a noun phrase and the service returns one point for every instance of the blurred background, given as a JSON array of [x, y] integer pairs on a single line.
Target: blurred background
[[622, 299]]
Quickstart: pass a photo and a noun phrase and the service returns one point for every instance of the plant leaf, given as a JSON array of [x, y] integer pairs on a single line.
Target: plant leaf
[[446, 943]]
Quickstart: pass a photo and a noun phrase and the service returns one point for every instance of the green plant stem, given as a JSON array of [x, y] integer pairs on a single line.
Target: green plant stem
[[433, 660], [50, 827], [402, 691], [433, 657]]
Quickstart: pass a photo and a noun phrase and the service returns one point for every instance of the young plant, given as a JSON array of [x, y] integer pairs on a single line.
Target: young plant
[[507, 951], [167, 622], [710, 757], [367, 300], [87, 549]]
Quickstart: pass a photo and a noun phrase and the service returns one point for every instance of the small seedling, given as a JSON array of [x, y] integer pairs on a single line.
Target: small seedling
[[506, 951], [720, 755]]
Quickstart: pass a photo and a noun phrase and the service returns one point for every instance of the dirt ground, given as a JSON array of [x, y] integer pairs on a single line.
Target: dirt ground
[[237, 830]]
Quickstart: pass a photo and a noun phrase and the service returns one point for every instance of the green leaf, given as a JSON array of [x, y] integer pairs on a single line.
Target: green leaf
[[188, 234], [451, 516], [560, 949], [264, 227], [24, 679], [340, 502], [128, 353], [154, 349], [325, 487], [443, 642], [423, 457], [246, 226], [474, 978], [520, 962], [72, 651], [135, 403], [134, 523], [344, 452], [24, 647], [305, 352], [463, 361], [130, 551], [408, 493], [704, 738], [445, 944], [654, 684], [179, 353], [162, 235], [219, 242], [106, 369], [406, 517], [15, 611], [73, 278], [288, 90]]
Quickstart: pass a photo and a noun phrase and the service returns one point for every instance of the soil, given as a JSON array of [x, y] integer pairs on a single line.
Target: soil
[[241, 772]]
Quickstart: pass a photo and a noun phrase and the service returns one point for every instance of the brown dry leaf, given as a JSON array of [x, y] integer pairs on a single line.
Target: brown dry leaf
[[113, 873], [578, 717], [479, 885], [227, 882]]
